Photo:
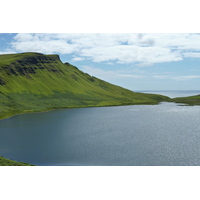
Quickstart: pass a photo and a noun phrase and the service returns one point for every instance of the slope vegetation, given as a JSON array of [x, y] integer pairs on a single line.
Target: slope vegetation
[[8, 162], [33, 82], [192, 100]]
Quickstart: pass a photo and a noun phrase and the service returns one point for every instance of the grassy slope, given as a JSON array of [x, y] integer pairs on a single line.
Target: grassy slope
[[7, 162], [192, 100], [32, 82]]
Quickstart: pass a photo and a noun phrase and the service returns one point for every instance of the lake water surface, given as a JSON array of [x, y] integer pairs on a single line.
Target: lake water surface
[[137, 135]]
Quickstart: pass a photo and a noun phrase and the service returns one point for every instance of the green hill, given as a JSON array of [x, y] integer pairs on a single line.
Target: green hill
[[192, 100], [33, 82], [8, 162]]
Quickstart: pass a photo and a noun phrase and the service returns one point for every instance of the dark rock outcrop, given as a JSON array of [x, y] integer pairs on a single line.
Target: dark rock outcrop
[[29, 64], [2, 81]]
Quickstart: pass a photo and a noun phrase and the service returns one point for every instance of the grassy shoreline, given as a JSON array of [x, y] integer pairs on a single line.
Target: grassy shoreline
[[190, 101], [88, 106]]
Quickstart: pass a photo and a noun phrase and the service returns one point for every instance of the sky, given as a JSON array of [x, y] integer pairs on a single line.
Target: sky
[[136, 61]]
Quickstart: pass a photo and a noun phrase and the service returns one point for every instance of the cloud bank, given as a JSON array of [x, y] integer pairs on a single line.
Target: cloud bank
[[142, 49]]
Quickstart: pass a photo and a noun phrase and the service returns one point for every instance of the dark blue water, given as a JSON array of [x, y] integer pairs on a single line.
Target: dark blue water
[[152, 135]]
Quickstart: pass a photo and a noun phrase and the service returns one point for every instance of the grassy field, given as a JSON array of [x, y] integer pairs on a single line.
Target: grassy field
[[33, 82]]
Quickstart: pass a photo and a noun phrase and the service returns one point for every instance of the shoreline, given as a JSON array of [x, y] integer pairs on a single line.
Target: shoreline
[[90, 106], [54, 109], [50, 110]]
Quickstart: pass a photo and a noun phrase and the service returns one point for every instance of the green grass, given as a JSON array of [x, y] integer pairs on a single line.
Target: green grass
[[32, 82], [8, 162], [192, 100]]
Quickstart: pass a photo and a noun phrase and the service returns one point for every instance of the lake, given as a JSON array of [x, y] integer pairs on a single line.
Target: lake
[[138, 135]]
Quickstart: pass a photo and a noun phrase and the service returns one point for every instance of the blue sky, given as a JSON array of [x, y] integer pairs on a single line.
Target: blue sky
[[141, 61]]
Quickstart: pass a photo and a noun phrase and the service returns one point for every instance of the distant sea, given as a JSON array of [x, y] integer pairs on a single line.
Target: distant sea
[[172, 93]]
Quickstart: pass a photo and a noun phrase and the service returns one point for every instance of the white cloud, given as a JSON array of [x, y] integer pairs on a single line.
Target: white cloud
[[110, 63], [24, 37], [7, 52], [162, 77], [53, 46], [184, 78], [77, 59], [192, 55], [44, 43], [142, 49], [104, 74], [177, 78], [131, 54]]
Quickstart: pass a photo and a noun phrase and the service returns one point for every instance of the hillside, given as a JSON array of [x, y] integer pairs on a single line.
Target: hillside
[[192, 100], [8, 162], [33, 82]]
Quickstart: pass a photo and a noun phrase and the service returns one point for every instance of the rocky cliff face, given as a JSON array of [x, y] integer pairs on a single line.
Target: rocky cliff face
[[29, 65], [2, 81], [38, 58]]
